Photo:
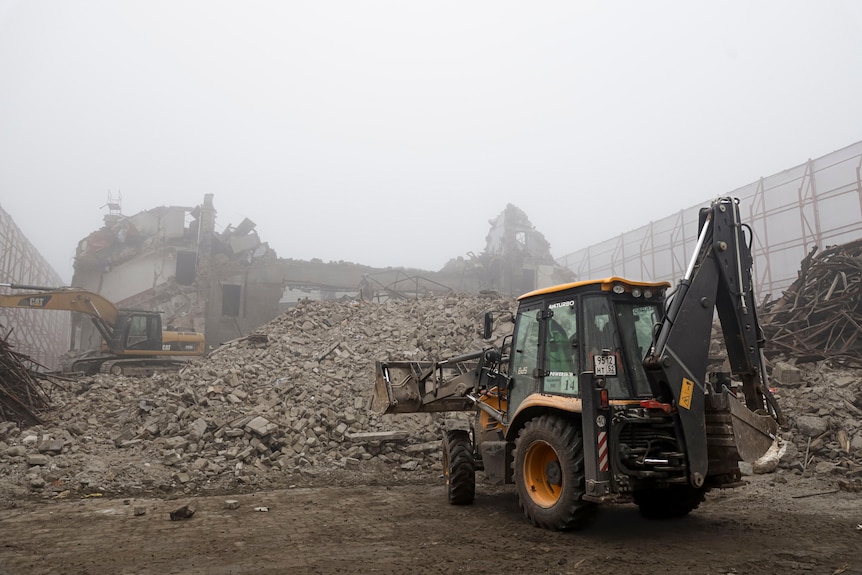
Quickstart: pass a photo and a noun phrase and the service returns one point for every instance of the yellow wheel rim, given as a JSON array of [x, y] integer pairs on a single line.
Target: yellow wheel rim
[[544, 488]]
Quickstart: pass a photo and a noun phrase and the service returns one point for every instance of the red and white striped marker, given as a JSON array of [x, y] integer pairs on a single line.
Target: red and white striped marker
[[603, 451]]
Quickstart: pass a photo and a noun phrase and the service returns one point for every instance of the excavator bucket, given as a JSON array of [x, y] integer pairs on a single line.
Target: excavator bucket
[[422, 386], [753, 434], [734, 433]]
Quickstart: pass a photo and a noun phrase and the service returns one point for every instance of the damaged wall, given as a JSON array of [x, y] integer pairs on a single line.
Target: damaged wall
[[224, 284], [227, 284], [145, 261], [171, 260], [517, 258]]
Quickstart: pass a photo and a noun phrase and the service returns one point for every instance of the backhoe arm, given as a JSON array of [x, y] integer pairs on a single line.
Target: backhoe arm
[[719, 278]]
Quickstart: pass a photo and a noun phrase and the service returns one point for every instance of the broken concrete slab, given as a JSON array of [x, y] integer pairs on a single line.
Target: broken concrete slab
[[378, 436]]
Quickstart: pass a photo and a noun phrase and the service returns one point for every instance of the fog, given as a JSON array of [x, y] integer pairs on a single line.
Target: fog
[[389, 133]]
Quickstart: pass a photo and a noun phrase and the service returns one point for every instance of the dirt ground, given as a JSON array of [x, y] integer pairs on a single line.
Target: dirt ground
[[772, 525]]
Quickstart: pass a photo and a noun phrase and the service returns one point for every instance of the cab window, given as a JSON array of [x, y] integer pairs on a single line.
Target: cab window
[[601, 337], [525, 356], [561, 349], [137, 330], [144, 332], [637, 323]]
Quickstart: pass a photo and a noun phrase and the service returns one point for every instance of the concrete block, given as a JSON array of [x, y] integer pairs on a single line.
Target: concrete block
[[53, 446], [197, 429], [811, 425], [261, 426], [37, 459], [369, 436], [787, 375]]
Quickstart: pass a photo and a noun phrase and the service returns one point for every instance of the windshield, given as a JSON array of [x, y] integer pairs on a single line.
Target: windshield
[[636, 323], [625, 332]]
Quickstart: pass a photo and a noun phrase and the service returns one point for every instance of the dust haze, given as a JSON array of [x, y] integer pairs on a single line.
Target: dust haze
[[388, 133]]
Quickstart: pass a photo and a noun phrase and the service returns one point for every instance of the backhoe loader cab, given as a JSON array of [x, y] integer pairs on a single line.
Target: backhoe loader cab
[[601, 393], [562, 331]]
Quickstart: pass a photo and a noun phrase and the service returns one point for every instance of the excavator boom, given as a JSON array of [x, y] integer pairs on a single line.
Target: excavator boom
[[67, 299]]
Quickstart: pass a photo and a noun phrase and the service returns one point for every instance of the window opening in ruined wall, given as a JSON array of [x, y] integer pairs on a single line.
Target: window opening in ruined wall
[[186, 268], [230, 300]]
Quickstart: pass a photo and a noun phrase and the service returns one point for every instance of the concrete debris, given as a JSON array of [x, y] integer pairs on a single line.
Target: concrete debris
[[289, 405], [279, 407], [184, 512], [768, 462], [824, 412]]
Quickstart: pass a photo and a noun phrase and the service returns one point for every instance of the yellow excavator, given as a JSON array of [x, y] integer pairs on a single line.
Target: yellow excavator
[[133, 342], [602, 392]]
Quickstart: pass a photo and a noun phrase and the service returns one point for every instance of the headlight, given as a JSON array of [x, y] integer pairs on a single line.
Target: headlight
[[636, 292], [618, 289]]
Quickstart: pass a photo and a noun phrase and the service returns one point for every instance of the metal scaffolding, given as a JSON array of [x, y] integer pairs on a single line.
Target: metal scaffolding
[[818, 203], [42, 335]]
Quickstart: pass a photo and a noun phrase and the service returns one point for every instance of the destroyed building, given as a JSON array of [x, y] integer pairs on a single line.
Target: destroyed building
[[517, 258], [171, 259], [225, 284]]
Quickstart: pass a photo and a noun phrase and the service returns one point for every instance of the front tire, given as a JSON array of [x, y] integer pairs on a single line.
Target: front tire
[[549, 474], [459, 467]]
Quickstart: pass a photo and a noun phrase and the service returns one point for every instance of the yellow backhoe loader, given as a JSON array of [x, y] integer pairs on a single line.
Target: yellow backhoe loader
[[601, 393]]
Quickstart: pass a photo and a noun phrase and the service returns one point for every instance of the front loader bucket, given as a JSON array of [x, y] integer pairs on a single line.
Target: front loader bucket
[[396, 389], [422, 386]]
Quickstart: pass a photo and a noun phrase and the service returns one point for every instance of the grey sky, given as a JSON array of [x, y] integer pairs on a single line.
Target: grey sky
[[388, 133]]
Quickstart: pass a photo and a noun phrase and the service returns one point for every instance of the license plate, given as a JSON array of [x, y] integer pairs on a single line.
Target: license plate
[[605, 365]]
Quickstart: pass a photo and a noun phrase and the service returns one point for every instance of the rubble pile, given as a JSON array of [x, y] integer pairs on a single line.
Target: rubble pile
[[290, 404], [820, 315], [289, 401], [823, 408], [21, 395]]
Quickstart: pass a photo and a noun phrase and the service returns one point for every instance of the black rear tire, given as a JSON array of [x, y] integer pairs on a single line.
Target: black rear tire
[[549, 474], [459, 467], [669, 503]]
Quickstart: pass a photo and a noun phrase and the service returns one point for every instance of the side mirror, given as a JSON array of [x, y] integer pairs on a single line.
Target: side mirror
[[488, 328]]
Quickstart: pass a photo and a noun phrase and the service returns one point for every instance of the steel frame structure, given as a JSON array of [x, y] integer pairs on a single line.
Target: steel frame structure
[[812, 205], [43, 335]]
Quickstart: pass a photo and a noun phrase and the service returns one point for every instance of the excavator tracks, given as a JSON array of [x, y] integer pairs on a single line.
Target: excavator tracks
[[139, 367]]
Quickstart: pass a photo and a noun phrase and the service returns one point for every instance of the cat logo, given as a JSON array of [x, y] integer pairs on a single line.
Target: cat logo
[[40, 301]]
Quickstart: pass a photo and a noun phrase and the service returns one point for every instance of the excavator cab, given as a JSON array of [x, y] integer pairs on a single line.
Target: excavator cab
[[139, 333], [136, 330]]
